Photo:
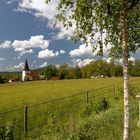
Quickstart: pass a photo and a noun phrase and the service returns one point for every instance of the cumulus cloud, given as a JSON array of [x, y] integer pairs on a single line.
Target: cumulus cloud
[[17, 67], [49, 53], [39, 8], [43, 65], [63, 32], [47, 12], [37, 41], [26, 51], [86, 50], [83, 62], [5, 44], [28, 46], [83, 50], [62, 52]]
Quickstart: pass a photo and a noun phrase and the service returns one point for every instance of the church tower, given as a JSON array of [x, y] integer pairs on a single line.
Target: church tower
[[25, 70]]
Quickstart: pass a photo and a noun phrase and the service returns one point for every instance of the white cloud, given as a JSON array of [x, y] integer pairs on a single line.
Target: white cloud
[[37, 41], [83, 50], [43, 65], [86, 50], [62, 52], [16, 58], [39, 8], [63, 32], [132, 59], [5, 44], [17, 67], [2, 59], [120, 61], [83, 62], [28, 46], [26, 51], [49, 53]]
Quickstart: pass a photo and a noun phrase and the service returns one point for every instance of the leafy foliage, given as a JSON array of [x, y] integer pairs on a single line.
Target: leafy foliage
[[101, 105], [67, 122], [1, 80], [6, 132], [51, 71], [100, 20]]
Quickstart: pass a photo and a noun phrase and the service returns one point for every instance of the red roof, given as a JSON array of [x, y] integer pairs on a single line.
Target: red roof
[[32, 73]]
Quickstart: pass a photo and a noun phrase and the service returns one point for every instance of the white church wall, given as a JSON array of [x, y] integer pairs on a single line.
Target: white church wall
[[23, 75]]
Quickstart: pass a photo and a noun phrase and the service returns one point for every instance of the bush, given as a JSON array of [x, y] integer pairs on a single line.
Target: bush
[[26, 78], [1, 80], [105, 127], [6, 132], [101, 105]]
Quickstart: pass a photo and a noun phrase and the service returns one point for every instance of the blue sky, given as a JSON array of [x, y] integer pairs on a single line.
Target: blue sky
[[26, 31]]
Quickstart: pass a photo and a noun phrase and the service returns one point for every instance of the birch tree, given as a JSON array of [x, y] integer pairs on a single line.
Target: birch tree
[[107, 21]]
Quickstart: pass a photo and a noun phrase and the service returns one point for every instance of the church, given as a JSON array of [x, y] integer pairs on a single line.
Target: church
[[29, 75]]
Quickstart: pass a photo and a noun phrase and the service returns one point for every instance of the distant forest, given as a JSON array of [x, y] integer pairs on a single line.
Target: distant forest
[[99, 68]]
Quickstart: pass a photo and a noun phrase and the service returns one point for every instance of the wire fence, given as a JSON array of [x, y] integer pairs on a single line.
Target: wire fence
[[29, 122]]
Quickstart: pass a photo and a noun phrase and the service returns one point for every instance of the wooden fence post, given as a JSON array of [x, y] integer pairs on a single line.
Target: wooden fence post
[[138, 96], [25, 122], [87, 99]]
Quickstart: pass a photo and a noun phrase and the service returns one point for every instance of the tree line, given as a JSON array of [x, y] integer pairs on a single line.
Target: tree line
[[5, 76], [99, 68]]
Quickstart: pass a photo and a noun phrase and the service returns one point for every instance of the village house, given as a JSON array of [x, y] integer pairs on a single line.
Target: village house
[[28, 74]]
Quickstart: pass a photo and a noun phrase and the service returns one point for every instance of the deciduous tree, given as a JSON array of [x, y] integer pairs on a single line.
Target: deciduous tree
[[51, 70], [107, 21]]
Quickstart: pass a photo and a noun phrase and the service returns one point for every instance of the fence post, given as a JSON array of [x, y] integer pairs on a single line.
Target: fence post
[[87, 99], [138, 96], [25, 122], [114, 89]]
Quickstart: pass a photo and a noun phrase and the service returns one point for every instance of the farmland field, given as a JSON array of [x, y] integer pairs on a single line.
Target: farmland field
[[19, 94], [49, 119]]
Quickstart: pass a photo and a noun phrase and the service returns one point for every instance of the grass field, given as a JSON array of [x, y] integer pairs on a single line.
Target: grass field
[[49, 119], [19, 94]]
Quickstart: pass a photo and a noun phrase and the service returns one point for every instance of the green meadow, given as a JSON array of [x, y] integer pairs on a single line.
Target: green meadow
[[22, 93], [71, 118]]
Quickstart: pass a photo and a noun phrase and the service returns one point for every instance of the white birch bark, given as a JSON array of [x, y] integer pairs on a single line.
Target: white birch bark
[[126, 132]]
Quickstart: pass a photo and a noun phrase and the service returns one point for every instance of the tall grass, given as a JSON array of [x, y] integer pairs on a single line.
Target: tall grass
[[70, 118], [14, 95]]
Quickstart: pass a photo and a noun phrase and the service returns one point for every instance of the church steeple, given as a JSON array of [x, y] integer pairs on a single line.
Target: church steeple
[[26, 67]]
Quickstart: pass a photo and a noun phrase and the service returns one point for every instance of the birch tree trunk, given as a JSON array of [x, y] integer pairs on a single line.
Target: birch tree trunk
[[126, 131]]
